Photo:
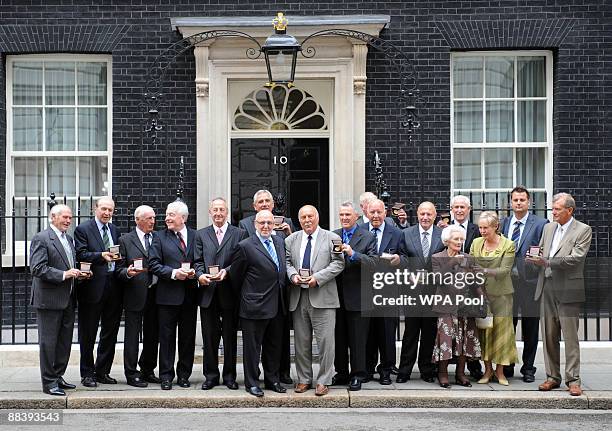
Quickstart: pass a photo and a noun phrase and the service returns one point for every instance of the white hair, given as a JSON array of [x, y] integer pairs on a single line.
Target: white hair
[[263, 213], [58, 209], [348, 204], [105, 198], [366, 197], [178, 207], [261, 192], [568, 200], [449, 230], [463, 198], [138, 212]]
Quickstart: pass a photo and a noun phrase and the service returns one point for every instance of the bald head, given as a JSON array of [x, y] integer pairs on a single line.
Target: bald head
[[426, 213], [309, 218]]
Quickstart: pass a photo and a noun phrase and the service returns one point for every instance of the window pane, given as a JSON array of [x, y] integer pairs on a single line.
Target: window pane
[[531, 76], [468, 121], [500, 121], [93, 176], [61, 172], [467, 169], [499, 76], [59, 83], [29, 175], [92, 129], [532, 121], [59, 129], [467, 77], [498, 168], [27, 129], [538, 204], [530, 167], [91, 83], [27, 83]]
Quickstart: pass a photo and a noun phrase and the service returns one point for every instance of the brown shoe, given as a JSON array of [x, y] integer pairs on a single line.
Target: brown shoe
[[549, 385], [321, 390], [575, 390], [300, 388]]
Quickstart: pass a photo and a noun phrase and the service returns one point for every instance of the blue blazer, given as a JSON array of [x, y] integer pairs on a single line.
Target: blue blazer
[[391, 238], [532, 233]]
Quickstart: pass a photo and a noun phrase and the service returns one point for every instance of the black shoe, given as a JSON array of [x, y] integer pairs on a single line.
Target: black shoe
[[65, 385], [445, 385], [166, 385], [529, 377], [286, 379], [394, 370], [427, 378], [208, 384], [137, 382], [509, 371], [150, 378], [54, 390], [367, 378], [256, 391], [276, 387], [355, 384], [340, 380], [106, 379], [231, 384], [385, 378], [89, 382], [183, 382], [402, 378], [465, 383]]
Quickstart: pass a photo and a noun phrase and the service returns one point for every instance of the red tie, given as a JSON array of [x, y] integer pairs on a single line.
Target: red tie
[[183, 245]]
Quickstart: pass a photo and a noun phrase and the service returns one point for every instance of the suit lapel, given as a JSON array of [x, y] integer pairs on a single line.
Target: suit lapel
[[322, 237], [567, 238], [172, 235], [259, 246], [96, 233], [416, 242], [136, 241], [59, 247], [212, 235], [435, 242], [526, 230], [228, 235], [386, 239]]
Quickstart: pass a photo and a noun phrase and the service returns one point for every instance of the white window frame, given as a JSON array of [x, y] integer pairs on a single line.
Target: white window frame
[[22, 247], [549, 144]]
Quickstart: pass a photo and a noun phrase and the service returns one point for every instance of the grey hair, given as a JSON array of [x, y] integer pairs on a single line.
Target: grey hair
[[460, 197], [263, 213], [142, 209], [366, 197], [218, 198], [179, 207], [58, 209], [105, 198], [449, 230], [261, 192], [568, 200], [348, 204], [491, 217]]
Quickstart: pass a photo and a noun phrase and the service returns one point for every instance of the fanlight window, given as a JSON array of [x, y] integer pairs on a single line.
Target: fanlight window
[[279, 108]]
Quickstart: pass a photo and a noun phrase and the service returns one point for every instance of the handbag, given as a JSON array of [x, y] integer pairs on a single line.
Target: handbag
[[484, 322]]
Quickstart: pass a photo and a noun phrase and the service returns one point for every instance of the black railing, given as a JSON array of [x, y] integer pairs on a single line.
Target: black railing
[[27, 217]]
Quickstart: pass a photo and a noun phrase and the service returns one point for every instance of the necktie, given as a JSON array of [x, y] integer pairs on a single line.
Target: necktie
[[307, 250], [272, 252], [147, 238], [183, 245], [425, 244], [107, 243], [516, 233], [556, 241], [376, 232], [346, 237], [67, 249], [219, 236]]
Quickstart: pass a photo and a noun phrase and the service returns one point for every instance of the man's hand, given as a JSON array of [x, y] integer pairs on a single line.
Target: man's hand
[[347, 249], [131, 272], [204, 279], [221, 276], [296, 279], [71, 273], [402, 216], [286, 228], [107, 256], [441, 224], [312, 282], [181, 274], [395, 260], [537, 260]]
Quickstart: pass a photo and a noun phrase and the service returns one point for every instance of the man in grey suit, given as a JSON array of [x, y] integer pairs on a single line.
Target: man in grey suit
[[525, 229], [53, 267], [313, 298], [565, 244]]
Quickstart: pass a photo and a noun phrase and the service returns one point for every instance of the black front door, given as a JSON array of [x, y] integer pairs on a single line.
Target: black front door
[[294, 169]]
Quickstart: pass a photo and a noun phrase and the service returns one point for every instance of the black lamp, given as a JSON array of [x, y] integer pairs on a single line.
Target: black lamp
[[280, 50]]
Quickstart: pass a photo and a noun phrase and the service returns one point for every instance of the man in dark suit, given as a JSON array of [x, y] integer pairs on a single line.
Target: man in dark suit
[[460, 209], [420, 243], [259, 275], [53, 267], [263, 201], [214, 245], [359, 248], [99, 298], [525, 229], [139, 290], [364, 201], [171, 259], [381, 337]]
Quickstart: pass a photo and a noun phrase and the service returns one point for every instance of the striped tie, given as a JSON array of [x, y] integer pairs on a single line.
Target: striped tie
[[516, 233], [425, 244]]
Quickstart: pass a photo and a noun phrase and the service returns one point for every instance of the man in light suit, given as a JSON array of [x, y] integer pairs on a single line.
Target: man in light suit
[[139, 290], [171, 252], [214, 245], [263, 201], [381, 336], [99, 297], [53, 267], [525, 229], [352, 325], [420, 242], [313, 298], [259, 276], [565, 244]]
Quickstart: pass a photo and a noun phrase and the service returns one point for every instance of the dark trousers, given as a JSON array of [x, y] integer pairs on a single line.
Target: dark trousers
[[135, 321], [217, 322], [423, 327], [258, 335], [381, 338], [107, 315], [171, 317], [529, 310], [285, 359], [351, 335], [55, 329]]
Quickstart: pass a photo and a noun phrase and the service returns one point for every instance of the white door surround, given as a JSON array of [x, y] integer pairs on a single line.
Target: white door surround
[[223, 60]]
